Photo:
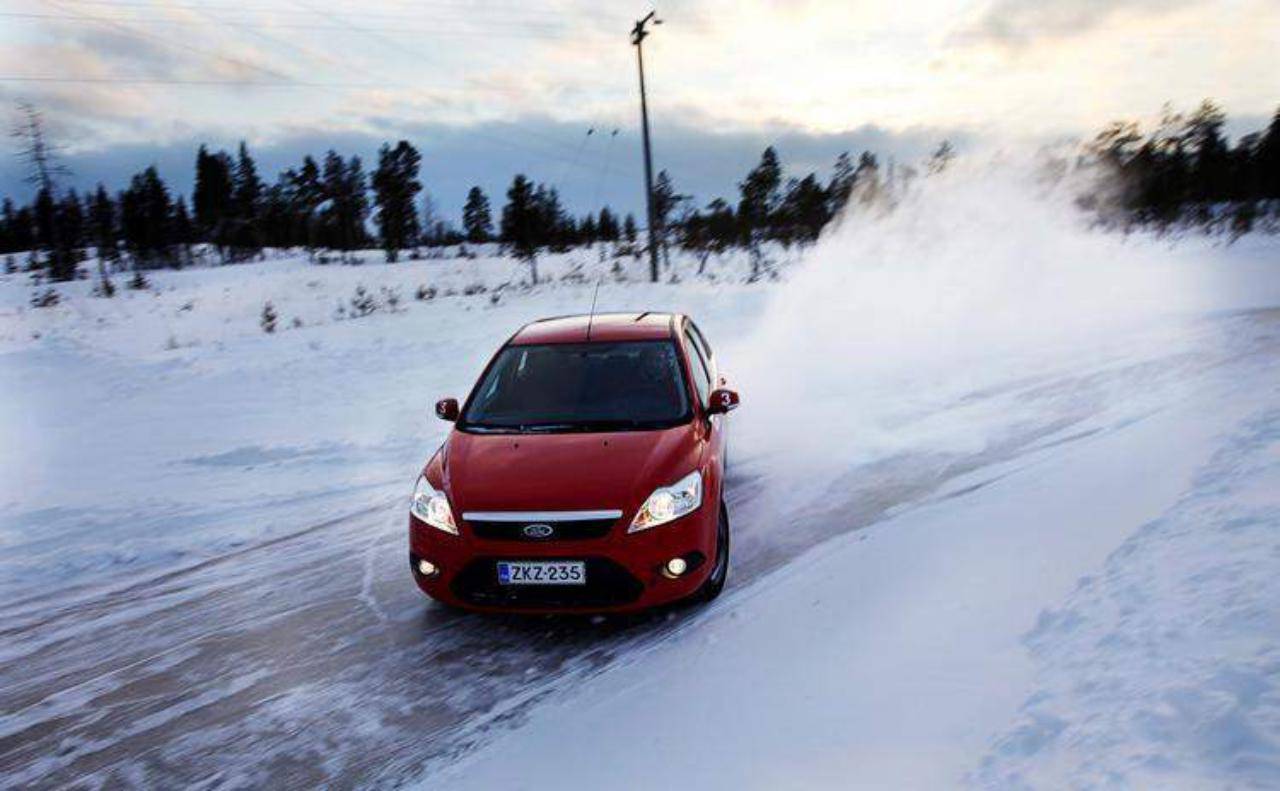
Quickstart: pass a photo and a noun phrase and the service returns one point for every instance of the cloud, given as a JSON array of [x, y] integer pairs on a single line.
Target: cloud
[[1016, 23]]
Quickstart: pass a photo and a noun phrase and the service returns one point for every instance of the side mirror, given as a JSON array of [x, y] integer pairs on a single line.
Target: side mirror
[[722, 400], [447, 409]]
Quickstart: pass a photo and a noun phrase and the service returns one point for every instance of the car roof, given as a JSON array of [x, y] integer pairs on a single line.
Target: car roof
[[600, 328]]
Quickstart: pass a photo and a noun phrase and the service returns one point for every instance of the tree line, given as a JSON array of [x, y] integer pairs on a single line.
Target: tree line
[[1184, 171], [334, 205]]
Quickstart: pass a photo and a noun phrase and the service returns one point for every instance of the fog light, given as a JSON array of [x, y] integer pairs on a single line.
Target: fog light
[[676, 567], [427, 569]]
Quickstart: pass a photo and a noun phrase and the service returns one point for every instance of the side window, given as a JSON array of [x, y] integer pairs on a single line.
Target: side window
[[701, 374]]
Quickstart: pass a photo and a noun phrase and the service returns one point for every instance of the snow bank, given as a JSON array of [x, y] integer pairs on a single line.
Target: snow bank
[[1163, 668]]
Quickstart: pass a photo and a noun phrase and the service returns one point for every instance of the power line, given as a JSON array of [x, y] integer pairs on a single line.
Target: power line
[[193, 82], [545, 33], [186, 49], [509, 17]]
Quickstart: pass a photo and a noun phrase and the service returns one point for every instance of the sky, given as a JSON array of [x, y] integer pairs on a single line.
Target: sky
[[486, 89]]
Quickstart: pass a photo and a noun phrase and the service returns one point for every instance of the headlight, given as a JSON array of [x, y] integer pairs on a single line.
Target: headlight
[[669, 503], [432, 507]]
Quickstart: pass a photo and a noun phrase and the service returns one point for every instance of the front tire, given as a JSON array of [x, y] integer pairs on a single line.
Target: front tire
[[710, 589]]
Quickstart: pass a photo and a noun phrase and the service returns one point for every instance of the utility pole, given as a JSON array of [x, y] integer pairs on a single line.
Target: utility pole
[[638, 34]]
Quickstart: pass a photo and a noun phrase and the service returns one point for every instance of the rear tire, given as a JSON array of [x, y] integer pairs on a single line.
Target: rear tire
[[720, 570]]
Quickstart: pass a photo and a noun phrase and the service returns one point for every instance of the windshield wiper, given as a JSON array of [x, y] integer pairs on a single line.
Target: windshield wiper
[[489, 428], [567, 427], [538, 428]]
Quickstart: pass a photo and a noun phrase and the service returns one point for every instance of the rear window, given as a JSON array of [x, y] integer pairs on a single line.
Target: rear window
[[620, 386]]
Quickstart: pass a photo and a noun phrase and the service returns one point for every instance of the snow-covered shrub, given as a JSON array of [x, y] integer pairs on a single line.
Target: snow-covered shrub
[[268, 318], [473, 289], [425, 293], [45, 299], [104, 288], [10, 265], [391, 298], [139, 281], [363, 303]]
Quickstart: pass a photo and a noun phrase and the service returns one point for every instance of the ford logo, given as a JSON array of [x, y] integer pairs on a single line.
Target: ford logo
[[538, 531]]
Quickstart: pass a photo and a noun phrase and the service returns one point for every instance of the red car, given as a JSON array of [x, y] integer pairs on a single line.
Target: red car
[[584, 473]]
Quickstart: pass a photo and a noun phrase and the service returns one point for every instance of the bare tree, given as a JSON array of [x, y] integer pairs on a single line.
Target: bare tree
[[44, 169]]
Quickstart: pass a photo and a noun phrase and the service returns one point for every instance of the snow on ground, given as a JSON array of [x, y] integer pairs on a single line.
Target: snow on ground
[[1004, 495]]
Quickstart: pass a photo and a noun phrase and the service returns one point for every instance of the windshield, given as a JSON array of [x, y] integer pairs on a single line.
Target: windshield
[[580, 387]]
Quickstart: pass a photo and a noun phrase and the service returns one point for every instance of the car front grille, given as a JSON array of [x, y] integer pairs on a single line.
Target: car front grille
[[575, 530], [608, 585]]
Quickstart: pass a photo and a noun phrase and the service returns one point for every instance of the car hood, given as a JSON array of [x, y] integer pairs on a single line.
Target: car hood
[[562, 472]]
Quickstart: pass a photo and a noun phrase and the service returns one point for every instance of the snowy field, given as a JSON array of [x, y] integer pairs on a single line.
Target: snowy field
[[1005, 494]]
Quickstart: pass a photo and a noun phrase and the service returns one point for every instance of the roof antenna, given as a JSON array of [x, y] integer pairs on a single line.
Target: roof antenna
[[592, 317]]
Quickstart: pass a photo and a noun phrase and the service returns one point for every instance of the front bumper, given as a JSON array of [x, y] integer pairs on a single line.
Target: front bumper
[[624, 571]]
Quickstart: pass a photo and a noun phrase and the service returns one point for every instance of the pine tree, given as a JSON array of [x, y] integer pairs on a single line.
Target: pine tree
[[72, 228], [309, 196], [519, 223], [102, 225], [804, 210], [665, 201], [550, 224], [710, 231], [348, 206], [146, 220], [760, 194], [629, 228], [8, 230], [23, 233], [866, 179], [279, 226], [477, 220], [1267, 157], [1208, 153], [588, 230], [395, 186], [246, 201], [841, 184], [183, 233], [608, 225], [49, 214], [212, 198]]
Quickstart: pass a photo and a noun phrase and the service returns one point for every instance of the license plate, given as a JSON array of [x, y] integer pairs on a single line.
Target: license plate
[[542, 572]]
